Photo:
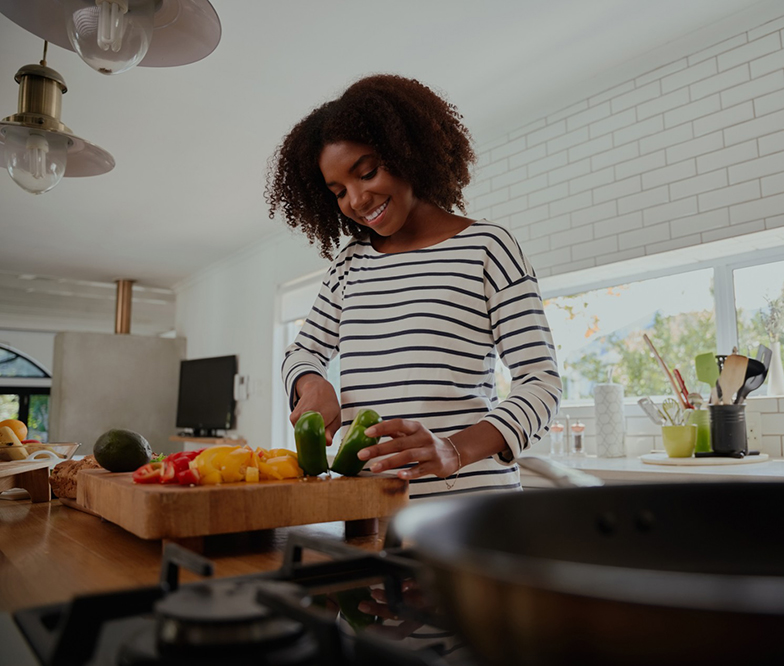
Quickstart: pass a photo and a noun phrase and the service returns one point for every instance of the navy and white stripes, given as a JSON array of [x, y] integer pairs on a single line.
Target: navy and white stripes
[[418, 333]]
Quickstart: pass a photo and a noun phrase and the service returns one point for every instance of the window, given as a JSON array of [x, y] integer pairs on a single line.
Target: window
[[600, 331], [24, 392], [757, 288]]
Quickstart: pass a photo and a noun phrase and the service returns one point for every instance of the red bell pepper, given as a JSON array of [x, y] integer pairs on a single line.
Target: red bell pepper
[[188, 477], [149, 473]]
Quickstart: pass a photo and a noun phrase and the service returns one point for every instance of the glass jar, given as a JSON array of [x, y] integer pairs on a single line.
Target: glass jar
[[701, 418]]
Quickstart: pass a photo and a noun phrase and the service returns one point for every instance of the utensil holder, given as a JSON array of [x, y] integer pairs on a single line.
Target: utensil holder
[[728, 429]]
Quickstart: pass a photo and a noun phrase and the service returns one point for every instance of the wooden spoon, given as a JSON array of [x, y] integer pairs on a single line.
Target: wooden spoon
[[732, 377]]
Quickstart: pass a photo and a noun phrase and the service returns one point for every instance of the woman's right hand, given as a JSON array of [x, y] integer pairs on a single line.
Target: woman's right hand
[[316, 394]]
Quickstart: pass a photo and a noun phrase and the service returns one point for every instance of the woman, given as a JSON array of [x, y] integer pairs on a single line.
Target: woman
[[421, 301]]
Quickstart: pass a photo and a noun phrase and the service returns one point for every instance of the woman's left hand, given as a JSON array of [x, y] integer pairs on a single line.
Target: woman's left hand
[[411, 443]]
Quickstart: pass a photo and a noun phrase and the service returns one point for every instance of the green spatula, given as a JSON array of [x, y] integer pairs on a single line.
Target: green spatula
[[707, 368], [708, 372]]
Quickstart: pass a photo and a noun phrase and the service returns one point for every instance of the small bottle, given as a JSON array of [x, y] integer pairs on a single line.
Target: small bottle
[[577, 439], [557, 439]]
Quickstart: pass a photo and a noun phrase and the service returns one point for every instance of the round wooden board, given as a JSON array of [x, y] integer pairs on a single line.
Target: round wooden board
[[663, 459]]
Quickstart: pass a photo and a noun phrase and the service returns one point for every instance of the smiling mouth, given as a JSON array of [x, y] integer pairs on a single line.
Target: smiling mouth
[[373, 216]]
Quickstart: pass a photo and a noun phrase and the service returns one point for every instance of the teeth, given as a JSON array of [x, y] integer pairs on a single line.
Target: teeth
[[372, 216]]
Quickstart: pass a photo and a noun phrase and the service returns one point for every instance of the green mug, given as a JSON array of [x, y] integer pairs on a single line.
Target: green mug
[[679, 440]]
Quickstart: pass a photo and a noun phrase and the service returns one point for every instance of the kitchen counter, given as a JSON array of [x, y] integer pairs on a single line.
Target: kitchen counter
[[633, 470], [49, 553]]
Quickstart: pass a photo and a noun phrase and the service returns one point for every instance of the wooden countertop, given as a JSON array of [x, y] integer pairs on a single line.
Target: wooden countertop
[[49, 553]]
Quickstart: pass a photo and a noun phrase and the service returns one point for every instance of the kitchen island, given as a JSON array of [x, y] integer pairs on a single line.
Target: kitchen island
[[50, 553]]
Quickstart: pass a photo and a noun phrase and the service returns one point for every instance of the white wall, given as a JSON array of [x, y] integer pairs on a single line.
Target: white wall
[[231, 309], [679, 156], [688, 153]]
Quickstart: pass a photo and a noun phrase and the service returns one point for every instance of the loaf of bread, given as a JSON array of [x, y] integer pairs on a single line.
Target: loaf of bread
[[63, 476]]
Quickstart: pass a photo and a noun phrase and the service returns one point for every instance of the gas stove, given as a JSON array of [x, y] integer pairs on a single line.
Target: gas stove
[[350, 607]]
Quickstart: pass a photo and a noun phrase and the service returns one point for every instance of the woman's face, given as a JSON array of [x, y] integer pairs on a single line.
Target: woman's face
[[366, 192]]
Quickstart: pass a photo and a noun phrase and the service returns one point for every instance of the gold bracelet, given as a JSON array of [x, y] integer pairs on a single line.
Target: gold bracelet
[[459, 465]]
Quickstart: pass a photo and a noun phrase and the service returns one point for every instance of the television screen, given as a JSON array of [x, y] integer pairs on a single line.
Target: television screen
[[206, 399]]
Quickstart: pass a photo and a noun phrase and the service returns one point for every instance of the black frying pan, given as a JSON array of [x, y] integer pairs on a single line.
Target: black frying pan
[[646, 574]]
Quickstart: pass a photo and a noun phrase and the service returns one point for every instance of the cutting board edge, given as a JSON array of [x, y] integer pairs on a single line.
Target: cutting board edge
[[156, 517]]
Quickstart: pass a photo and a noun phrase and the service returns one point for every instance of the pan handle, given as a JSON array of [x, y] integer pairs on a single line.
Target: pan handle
[[561, 475]]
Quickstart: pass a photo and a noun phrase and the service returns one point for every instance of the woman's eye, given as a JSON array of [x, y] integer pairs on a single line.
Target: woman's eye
[[370, 174], [340, 194]]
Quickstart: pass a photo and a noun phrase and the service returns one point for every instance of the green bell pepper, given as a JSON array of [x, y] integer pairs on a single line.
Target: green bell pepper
[[346, 461], [309, 434]]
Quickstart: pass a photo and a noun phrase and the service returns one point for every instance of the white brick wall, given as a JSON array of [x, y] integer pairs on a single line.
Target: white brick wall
[[689, 152]]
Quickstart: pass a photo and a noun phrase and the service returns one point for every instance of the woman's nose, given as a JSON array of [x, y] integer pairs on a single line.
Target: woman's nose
[[359, 199]]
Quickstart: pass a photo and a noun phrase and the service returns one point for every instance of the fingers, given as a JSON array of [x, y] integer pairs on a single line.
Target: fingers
[[331, 429], [392, 427]]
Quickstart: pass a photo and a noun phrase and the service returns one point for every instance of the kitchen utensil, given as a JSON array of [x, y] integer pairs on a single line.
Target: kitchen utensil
[[707, 369], [684, 392], [589, 575], [652, 411], [732, 377], [764, 355], [665, 370], [696, 400], [755, 376], [155, 511], [679, 440], [672, 410]]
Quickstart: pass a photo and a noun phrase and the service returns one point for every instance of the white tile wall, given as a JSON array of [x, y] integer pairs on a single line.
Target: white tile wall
[[687, 153], [696, 146]]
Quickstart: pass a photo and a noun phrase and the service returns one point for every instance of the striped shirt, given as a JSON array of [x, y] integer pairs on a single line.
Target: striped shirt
[[418, 334]]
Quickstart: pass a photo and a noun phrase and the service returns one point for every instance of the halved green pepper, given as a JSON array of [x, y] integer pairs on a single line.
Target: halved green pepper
[[346, 461], [309, 434]]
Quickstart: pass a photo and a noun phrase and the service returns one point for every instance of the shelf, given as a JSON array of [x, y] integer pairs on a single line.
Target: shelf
[[238, 441]]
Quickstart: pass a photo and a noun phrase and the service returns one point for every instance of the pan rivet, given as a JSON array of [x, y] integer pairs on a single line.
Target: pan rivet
[[606, 523], [644, 521]]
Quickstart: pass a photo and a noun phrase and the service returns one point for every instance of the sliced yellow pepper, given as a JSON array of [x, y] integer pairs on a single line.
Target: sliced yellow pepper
[[252, 475], [276, 453], [281, 467], [211, 479]]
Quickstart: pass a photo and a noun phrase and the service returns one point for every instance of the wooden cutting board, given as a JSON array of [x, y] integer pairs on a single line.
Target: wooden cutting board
[[153, 511], [32, 475]]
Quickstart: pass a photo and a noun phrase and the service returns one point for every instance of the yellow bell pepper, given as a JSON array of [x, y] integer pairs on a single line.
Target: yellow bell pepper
[[281, 467], [252, 475], [276, 453], [232, 464]]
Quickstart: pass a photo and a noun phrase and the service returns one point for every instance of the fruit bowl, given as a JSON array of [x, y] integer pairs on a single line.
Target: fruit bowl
[[57, 452]]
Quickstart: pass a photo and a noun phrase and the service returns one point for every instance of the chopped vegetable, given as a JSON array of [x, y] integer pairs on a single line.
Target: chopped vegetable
[[346, 461], [309, 433]]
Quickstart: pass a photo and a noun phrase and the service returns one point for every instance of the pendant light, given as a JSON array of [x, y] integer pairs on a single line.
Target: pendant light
[[113, 36], [37, 149]]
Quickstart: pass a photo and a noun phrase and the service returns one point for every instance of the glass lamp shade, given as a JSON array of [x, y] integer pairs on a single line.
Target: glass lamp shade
[[35, 159], [110, 35]]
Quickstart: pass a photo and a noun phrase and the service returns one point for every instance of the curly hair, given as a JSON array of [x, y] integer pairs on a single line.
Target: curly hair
[[418, 136]]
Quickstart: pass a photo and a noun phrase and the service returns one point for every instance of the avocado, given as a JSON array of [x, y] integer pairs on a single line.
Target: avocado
[[122, 450]]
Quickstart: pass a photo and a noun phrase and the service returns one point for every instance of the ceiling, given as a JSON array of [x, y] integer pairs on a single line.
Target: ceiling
[[191, 143]]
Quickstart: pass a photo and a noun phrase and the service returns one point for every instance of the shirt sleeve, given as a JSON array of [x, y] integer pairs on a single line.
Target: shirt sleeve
[[524, 343], [316, 343]]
